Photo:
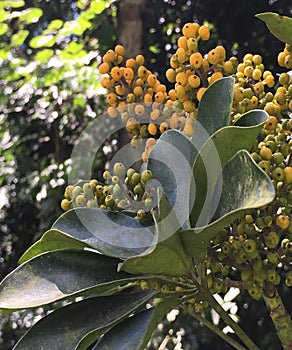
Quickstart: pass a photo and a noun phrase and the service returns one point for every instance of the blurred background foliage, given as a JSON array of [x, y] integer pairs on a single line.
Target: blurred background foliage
[[50, 91]]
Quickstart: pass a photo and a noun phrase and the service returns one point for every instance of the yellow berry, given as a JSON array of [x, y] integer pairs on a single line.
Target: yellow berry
[[270, 81], [65, 204], [288, 174], [228, 67], [213, 56], [151, 80], [281, 59], [170, 75], [130, 63], [256, 74], [181, 78], [159, 97], [282, 221], [181, 54], [192, 44], [266, 153]]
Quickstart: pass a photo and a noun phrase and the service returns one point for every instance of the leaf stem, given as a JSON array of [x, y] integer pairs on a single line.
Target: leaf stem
[[215, 329], [229, 321], [281, 319]]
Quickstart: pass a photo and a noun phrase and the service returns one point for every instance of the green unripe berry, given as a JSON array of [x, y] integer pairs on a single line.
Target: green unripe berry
[[109, 201], [115, 179], [148, 203], [130, 172], [107, 175], [80, 200], [119, 170], [278, 174], [260, 223], [77, 190], [277, 158], [141, 215], [135, 179], [99, 190], [285, 149], [272, 145], [91, 203], [87, 190], [246, 275], [273, 258], [146, 175], [272, 239], [288, 280], [105, 190], [138, 189], [255, 292], [144, 285], [265, 166], [249, 246]]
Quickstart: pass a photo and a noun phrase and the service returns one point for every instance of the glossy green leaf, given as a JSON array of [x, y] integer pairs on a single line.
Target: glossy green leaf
[[214, 110], [166, 256], [213, 156], [243, 186], [135, 331], [64, 328], [18, 38], [280, 26], [55, 24], [57, 275], [42, 41], [97, 6], [111, 233], [51, 240], [171, 162]]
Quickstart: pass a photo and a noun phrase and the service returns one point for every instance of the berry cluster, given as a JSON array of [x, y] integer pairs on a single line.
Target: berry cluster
[[259, 245], [285, 57], [123, 190]]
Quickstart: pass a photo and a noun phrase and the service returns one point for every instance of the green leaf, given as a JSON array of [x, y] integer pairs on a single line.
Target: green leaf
[[18, 38], [166, 256], [213, 156], [44, 55], [14, 3], [214, 110], [64, 328], [55, 24], [135, 331], [31, 15], [243, 186], [171, 162], [57, 275], [111, 233], [97, 6], [42, 41], [51, 240], [280, 26], [3, 28]]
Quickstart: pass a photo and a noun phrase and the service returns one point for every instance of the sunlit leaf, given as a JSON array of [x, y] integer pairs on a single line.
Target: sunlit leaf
[[55, 24], [14, 3], [18, 38], [31, 15], [3, 28], [44, 55], [42, 41]]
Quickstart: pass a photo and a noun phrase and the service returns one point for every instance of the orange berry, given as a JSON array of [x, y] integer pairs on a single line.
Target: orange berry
[[120, 50], [105, 82], [213, 56], [129, 74], [181, 78], [163, 127], [227, 67], [215, 76], [170, 75], [270, 81], [109, 56], [196, 60], [120, 90], [155, 113], [111, 98], [181, 54], [116, 73], [103, 68], [151, 80], [138, 91], [139, 60], [190, 30], [112, 112], [159, 97], [180, 91], [152, 129], [271, 123], [147, 98], [172, 94], [130, 63], [200, 93], [182, 42], [194, 81], [139, 109], [204, 33], [288, 174], [142, 72]]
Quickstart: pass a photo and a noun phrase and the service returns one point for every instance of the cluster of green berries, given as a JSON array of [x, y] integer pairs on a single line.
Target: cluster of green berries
[[122, 190], [259, 245]]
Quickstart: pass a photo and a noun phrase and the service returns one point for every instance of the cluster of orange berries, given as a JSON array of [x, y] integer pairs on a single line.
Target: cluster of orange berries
[[285, 57]]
